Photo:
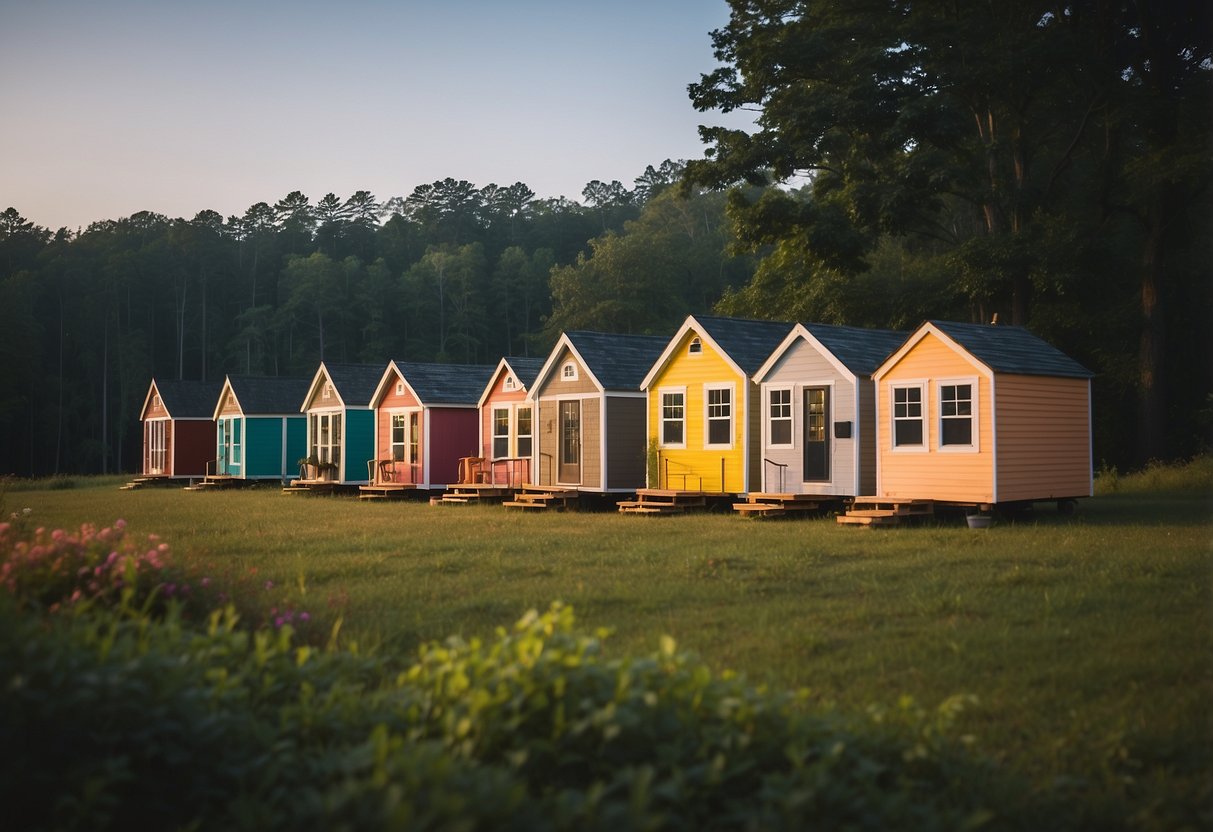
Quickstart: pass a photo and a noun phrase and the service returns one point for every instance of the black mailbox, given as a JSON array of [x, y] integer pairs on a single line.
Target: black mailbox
[[842, 430]]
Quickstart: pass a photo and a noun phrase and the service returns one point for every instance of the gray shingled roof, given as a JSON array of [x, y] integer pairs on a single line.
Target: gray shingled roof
[[446, 383], [190, 399], [749, 343], [1012, 349], [860, 350], [355, 383], [526, 369], [619, 362], [269, 394]]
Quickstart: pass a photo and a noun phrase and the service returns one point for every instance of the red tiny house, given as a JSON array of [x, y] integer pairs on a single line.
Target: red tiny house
[[178, 428]]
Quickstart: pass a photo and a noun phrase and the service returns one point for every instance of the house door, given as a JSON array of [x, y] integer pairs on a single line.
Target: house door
[[570, 442], [157, 447], [225, 446], [816, 434]]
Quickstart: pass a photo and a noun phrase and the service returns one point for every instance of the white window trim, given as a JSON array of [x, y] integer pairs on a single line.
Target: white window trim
[[569, 376], [400, 388], [767, 390], [511, 430], [509, 384], [974, 446], [696, 340], [661, 420], [732, 388], [924, 386]]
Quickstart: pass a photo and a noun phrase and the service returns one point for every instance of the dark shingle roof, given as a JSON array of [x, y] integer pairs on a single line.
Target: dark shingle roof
[[355, 383], [269, 395], [860, 350], [749, 343], [1012, 349], [526, 369], [446, 383], [189, 399], [619, 362]]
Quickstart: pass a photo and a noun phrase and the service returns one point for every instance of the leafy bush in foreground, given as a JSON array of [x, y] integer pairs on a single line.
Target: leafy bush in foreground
[[114, 720]]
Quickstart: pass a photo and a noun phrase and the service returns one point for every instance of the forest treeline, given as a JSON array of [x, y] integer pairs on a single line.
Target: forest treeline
[[1046, 165]]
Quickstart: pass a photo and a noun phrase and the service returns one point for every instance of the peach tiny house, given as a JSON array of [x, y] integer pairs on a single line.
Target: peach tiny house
[[819, 410], [976, 414], [178, 428], [426, 420], [704, 407], [507, 423], [591, 430], [340, 423]]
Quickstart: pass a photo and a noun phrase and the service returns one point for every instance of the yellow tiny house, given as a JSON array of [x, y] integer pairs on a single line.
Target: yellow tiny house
[[704, 410], [969, 413]]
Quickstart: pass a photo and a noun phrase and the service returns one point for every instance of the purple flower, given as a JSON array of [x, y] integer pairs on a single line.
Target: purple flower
[[269, 584]]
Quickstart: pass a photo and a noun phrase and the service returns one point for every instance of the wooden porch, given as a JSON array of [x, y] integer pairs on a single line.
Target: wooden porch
[[541, 497], [782, 504], [475, 492], [659, 501], [885, 511]]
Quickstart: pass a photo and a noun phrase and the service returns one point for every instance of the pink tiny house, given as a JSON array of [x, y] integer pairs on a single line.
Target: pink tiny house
[[426, 421], [507, 423], [178, 429]]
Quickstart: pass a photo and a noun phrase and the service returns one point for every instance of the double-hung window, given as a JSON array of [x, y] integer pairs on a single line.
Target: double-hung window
[[673, 418], [779, 417], [909, 423], [526, 431], [956, 415], [719, 417], [398, 434], [501, 432]]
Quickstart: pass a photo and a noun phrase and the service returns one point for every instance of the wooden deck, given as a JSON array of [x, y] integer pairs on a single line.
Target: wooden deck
[[217, 482], [540, 498], [884, 511], [154, 481], [779, 504], [326, 487], [663, 501], [385, 490], [478, 492]]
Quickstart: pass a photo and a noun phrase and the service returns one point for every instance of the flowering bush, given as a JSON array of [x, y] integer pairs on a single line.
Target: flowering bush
[[54, 569]]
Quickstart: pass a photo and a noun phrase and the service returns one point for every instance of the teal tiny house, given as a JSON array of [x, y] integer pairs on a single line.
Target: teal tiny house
[[259, 432], [340, 421]]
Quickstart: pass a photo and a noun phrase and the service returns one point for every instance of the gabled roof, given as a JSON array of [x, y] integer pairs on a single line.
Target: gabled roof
[[525, 370], [437, 384], [353, 383], [746, 344], [1002, 349], [854, 350], [614, 362], [185, 399], [266, 395]]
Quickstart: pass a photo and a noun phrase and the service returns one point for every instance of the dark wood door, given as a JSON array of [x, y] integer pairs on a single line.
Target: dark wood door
[[816, 434], [570, 442]]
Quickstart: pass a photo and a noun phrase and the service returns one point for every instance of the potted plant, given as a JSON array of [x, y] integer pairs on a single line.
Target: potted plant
[[328, 470], [309, 467]]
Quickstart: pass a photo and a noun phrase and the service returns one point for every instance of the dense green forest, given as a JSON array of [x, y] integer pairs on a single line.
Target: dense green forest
[[1048, 165]]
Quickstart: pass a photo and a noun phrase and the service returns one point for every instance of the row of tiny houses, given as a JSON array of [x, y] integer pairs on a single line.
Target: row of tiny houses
[[950, 412]]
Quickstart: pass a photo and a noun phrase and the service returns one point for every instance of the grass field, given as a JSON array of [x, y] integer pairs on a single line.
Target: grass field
[[1087, 641]]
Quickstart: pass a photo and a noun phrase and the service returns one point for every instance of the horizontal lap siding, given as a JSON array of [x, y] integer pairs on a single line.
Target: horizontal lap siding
[[547, 442], [193, 446], [591, 445], [803, 366], [398, 402], [866, 431], [296, 443], [262, 449], [701, 465], [1044, 440], [497, 398], [359, 443], [453, 435], [228, 406], [625, 442], [934, 474]]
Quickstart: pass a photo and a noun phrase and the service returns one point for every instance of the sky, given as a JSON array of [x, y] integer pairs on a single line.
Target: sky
[[110, 107]]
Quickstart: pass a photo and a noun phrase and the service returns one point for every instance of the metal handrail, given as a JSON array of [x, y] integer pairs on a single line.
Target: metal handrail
[[782, 466]]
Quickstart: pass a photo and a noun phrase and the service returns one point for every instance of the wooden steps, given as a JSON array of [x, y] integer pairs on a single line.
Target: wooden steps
[[299, 486], [479, 492], [660, 501], [759, 504], [385, 491], [540, 498], [152, 481], [885, 511]]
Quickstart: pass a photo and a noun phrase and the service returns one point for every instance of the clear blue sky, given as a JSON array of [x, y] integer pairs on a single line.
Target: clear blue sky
[[110, 107]]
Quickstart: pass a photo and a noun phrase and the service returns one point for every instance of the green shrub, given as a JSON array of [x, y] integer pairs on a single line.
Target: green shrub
[[1192, 475], [115, 720]]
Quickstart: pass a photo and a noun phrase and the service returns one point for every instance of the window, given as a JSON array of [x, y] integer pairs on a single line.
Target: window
[[414, 437], [779, 418], [400, 388], [695, 347], [156, 400], [501, 432], [326, 436], [398, 434], [956, 415], [673, 418], [526, 431], [235, 426], [569, 372], [157, 447], [328, 390], [907, 417], [719, 401], [509, 383]]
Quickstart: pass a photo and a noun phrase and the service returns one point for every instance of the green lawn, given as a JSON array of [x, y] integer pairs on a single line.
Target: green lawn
[[1086, 640]]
